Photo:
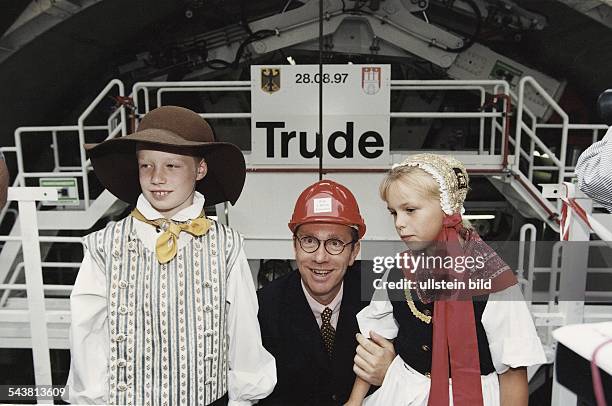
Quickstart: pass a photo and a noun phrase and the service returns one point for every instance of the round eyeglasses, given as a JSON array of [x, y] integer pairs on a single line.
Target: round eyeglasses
[[333, 246]]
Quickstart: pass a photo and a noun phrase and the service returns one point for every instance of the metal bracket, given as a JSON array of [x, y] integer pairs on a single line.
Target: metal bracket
[[394, 24]]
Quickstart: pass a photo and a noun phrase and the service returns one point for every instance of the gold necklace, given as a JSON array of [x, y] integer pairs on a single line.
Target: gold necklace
[[416, 312]]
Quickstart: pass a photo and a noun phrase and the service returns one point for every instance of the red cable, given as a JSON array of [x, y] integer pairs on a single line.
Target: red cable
[[596, 377], [506, 139]]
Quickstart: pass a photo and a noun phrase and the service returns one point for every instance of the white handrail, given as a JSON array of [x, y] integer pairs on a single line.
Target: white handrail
[[528, 280], [162, 88], [452, 114], [26, 197], [205, 86], [144, 86], [19, 149], [81, 129], [519, 119]]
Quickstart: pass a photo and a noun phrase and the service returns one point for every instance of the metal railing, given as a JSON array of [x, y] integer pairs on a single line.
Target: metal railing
[[475, 85], [11, 285], [195, 86], [522, 127], [596, 130], [500, 144], [142, 91], [81, 129], [36, 313], [537, 147], [80, 171], [526, 272]]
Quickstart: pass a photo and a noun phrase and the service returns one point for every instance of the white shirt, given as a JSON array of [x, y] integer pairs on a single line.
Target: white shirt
[[594, 171], [317, 308], [513, 340], [252, 369]]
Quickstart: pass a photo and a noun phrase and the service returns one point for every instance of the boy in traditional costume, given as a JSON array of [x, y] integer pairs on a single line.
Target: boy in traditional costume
[[164, 310]]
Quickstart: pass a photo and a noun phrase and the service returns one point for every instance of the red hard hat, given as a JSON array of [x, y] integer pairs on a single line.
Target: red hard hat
[[327, 202]]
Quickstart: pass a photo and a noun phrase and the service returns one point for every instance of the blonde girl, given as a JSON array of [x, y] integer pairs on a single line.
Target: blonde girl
[[482, 339]]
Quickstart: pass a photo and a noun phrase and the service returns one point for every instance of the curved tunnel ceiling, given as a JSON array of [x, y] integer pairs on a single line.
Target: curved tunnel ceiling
[[50, 79]]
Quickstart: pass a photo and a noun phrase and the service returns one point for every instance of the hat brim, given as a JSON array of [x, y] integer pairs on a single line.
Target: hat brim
[[115, 165]]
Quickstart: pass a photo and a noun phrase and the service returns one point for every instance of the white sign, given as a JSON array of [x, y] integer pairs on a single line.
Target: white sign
[[285, 115]]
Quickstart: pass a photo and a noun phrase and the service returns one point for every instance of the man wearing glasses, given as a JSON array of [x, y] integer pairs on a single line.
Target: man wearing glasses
[[307, 317]]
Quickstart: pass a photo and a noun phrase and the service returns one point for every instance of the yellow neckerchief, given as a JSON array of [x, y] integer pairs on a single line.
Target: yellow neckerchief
[[167, 242]]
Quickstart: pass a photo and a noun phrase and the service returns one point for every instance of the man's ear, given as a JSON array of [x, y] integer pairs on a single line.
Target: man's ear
[[295, 246], [201, 169], [354, 252]]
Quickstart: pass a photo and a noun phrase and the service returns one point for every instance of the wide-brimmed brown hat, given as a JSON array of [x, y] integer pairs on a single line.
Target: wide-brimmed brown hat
[[179, 129]]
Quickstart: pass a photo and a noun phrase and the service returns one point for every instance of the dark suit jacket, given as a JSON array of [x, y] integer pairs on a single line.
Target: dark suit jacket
[[306, 375]]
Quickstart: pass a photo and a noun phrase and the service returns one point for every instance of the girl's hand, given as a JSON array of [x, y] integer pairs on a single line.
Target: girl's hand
[[513, 387]]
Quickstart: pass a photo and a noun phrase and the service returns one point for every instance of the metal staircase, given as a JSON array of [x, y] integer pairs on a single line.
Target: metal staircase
[[526, 198]]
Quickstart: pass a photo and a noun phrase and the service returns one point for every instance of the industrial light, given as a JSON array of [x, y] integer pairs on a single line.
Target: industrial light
[[478, 216], [291, 60], [537, 153]]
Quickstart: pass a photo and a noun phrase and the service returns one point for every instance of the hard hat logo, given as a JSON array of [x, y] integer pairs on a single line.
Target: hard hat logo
[[327, 202], [323, 205]]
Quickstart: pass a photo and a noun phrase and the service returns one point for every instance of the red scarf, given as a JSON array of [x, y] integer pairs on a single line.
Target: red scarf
[[454, 324]]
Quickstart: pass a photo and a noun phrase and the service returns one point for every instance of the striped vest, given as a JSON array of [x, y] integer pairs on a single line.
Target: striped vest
[[167, 322]]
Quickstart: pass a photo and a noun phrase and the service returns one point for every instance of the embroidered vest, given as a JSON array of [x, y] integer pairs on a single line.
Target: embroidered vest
[[167, 322]]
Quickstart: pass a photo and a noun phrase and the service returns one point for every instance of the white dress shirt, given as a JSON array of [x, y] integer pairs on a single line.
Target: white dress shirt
[[252, 369], [317, 308]]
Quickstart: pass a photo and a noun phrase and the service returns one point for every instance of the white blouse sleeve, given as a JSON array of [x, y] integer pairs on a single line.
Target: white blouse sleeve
[[252, 369], [89, 345], [513, 340], [378, 315]]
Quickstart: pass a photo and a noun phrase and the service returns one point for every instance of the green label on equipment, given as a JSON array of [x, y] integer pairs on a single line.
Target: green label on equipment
[[67, 191], [506, 72]]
